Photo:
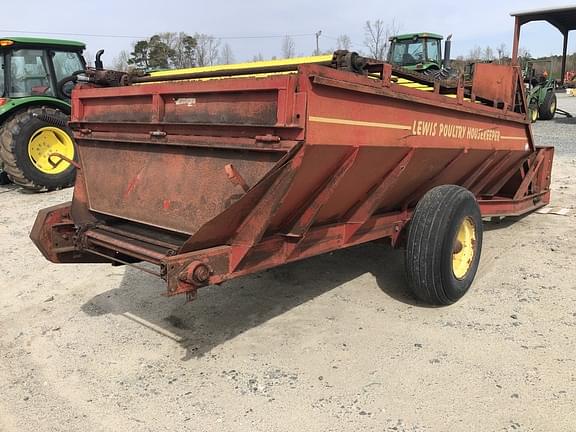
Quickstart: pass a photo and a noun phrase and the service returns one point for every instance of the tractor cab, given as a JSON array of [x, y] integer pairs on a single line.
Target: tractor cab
[[419, 52], [32, 67], [36, 81]]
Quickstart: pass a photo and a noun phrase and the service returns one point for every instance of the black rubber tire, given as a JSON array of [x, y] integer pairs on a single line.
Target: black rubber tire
[[15, 135], [431, 236], [547, 110], [4, 180]]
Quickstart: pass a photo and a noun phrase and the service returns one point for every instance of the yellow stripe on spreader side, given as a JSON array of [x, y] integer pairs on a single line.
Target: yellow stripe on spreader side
[[513, 138], [250, 65], [331, 120]]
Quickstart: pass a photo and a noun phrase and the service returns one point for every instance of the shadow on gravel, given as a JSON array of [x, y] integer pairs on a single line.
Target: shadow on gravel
[[8, 188], [566, 120], [496, 224], [220, 313]]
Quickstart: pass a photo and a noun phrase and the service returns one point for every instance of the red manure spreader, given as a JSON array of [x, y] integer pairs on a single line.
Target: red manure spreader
[[214, 173]]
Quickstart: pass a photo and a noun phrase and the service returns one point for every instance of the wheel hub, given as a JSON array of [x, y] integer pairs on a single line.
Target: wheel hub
[[45, 144], [464, 248]]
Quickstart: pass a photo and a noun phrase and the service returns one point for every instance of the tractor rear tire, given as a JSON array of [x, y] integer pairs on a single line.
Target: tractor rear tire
[[444, 245], [27, 145], [547, 110]]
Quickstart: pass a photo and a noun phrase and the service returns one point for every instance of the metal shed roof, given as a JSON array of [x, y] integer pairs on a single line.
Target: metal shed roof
[[563, 18]]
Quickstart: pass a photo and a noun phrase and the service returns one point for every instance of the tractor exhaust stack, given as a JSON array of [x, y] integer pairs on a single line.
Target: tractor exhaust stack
[[447, 49]]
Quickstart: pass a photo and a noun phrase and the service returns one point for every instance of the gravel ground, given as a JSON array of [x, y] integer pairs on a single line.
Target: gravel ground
[[559, 132], [332, 343]]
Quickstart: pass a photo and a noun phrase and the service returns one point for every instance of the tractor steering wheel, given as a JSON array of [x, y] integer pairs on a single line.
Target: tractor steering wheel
[[67, 84]]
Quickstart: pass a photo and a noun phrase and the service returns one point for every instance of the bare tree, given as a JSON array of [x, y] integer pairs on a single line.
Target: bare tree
[[474, 54], [377, 36], [502, 52], [258, 57], [89, 58], [524, 56], [169, 38], [207, 48], [226, 55], [488, 54], [184, 48], [524, 53], [344, 42], [120, 62], [288, 47]]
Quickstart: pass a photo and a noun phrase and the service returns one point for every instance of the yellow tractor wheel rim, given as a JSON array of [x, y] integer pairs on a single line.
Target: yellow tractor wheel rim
[[533, 115], [464, 248], [553, 107], [45, 147]]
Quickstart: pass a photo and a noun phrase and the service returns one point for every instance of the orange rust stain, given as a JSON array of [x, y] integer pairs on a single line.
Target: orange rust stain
[[133, 183]]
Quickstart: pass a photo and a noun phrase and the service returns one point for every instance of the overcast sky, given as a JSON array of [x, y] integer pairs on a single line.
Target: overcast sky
[[482, 23]]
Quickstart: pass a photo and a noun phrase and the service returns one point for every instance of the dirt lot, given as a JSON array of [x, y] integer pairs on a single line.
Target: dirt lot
[[329, 344]]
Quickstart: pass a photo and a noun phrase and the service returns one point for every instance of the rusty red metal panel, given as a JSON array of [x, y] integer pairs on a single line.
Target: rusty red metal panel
[[175, 188], [258, 220], [311, 208], [258, 108], [494, 82], [360, 214]]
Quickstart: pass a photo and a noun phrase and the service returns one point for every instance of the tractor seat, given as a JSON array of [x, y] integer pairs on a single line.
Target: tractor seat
[[407, 59]]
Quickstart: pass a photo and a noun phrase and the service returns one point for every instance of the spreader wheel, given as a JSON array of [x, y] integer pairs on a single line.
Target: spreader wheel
[[444, 245]]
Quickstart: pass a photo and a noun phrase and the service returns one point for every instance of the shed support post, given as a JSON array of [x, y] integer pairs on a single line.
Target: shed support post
[[564, 51], [516, 41]]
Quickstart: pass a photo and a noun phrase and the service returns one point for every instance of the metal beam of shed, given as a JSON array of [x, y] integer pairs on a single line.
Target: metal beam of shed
[[563, 18]]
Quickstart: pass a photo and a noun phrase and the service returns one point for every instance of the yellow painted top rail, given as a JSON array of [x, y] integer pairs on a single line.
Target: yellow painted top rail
[[250, 65], [271, 63]]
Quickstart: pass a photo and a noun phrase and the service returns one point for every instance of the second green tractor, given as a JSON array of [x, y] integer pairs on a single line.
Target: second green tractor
[[420, 52], [540, 91]]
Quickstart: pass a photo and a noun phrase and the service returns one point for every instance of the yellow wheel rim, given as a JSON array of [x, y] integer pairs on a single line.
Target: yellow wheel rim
[[553, 107], [464, 248], [533, 115], [45, 146]]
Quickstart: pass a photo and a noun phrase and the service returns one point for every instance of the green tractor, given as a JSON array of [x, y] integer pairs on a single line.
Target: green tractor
[[37, 150], [421, 52], [541, 96]]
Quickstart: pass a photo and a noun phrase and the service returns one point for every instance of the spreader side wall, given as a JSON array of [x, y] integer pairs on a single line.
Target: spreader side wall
[[449, 147]]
